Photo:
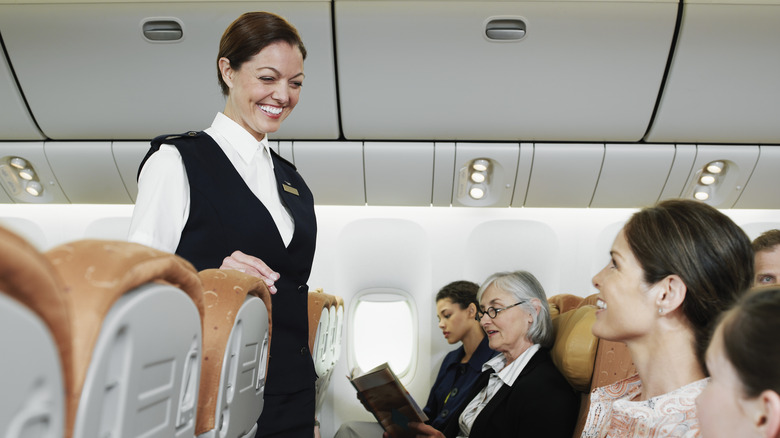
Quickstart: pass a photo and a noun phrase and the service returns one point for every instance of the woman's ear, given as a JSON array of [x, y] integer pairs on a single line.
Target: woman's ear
[[472, 309], [671, 294], [226, 71], [768, 423]]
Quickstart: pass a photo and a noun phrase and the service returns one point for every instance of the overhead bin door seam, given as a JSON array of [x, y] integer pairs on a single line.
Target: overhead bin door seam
[[598, 177], [669, 60], [336, 70], [19, 86]]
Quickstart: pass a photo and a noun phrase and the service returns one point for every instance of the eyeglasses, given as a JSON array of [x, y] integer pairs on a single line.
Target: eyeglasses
[[492, 312]]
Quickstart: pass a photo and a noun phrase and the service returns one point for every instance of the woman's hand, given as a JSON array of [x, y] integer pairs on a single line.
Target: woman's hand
[[252, 266], [423, 430]]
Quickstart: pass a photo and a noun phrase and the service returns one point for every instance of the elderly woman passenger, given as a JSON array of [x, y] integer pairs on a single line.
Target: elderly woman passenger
[[520, 391]]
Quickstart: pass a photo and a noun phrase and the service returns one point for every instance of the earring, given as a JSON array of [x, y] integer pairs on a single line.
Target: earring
[[660, 311]]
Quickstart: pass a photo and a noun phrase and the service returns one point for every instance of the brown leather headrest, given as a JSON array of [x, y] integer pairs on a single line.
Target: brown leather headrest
[[318, 301], [224, 292], [575, 346], [95, 274]]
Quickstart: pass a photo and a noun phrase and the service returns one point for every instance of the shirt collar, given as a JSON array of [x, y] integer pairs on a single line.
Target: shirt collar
[[240, 139], [509, 373]]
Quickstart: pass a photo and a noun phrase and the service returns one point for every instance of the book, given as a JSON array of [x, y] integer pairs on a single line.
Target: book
[[385, 397]]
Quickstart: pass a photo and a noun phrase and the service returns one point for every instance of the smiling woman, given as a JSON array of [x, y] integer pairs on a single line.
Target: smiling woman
[[229, 201]]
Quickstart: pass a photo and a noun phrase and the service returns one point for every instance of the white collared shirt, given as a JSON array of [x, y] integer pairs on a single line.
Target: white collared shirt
[[506, 375], [163, 203]]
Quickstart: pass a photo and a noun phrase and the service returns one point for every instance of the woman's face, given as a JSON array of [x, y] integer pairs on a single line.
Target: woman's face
[[454, 321], [264, 91], [508, 331], [625, 306], [722, 408]]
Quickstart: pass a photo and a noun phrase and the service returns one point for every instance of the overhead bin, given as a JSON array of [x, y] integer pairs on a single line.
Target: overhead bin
[[501, 70], [723, 84], [133, 70], [15, 121]]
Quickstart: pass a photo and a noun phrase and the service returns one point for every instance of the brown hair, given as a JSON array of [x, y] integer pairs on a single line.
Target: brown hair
[[767, 240], [461, 293], [751, 343], [249, 34], [701, 245]]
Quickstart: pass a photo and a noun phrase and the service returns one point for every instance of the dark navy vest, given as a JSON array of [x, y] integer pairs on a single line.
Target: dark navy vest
[[226, 216]]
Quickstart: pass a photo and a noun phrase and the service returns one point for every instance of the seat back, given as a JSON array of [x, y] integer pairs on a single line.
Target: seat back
[[136, 330], [586, 361], [236, 343], [34, 339], [325, 338]]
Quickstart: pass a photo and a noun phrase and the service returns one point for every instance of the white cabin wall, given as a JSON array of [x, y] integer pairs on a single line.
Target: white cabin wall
[[416, 249]]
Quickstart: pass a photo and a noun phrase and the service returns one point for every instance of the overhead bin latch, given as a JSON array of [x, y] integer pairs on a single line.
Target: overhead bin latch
[[505, 29], [162, 29]]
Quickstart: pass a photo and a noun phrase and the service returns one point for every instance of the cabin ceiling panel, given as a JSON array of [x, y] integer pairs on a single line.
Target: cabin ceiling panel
[[443, 173], [333, 171], [684, 156], [632, 175], [88, 71], [763, 188], [86, 172], [15, 121], [128, 156], [398, 173], [584, 70], [564, 175], [723, 84]]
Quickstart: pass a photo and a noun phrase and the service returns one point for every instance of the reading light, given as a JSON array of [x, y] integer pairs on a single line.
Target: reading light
[[478, 177], [477, 192], [34, 188], [707, 179], [702, 194], [27, 174], [480, 165], [715, 167], [19, 163]]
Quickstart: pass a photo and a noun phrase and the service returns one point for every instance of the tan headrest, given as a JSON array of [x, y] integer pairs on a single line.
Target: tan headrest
[[224, 292], [563, 303], [95, 274], [29, 277], [575, 346]]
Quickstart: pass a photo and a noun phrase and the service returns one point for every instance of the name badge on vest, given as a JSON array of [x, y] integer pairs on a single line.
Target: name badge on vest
[[290, 189]]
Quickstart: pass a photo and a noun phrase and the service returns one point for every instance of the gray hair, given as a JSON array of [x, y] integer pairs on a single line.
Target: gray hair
[[524, 286]]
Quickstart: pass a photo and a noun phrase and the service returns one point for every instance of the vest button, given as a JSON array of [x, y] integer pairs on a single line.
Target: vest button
[[303, 351], [192, 133]]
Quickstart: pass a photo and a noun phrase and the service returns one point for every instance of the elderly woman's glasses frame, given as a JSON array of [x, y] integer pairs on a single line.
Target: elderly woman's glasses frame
[[492, 312]]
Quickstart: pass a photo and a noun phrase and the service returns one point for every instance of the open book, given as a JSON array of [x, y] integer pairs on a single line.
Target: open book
[[385, 397]]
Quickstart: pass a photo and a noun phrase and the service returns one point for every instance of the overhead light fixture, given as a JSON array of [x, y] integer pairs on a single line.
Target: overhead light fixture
[[716, 167], [17, 162], [477, 191], [707, 179], [480, 165], [478, 177], [27, 174], [34, 188], [702, 194]]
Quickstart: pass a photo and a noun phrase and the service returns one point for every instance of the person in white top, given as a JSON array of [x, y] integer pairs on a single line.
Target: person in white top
[[223, 199], [520, 392], [674, 268]]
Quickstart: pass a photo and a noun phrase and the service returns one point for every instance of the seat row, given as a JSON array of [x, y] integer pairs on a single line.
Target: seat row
[[116, 339], [326, 319]]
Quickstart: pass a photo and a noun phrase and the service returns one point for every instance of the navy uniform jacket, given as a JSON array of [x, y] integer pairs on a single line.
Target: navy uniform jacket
[[226, 216], [540, 404]]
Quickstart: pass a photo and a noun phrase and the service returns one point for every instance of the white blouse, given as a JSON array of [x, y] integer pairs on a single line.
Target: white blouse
[[162, 206]]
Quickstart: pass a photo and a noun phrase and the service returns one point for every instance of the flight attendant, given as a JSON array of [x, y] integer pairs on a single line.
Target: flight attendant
[[223, 198]]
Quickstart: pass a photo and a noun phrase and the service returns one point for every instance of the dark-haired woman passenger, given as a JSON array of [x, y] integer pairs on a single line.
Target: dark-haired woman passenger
[[743, 396], [675, 267], [223, 198]]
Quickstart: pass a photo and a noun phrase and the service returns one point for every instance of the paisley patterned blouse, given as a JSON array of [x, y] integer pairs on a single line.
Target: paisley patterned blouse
[[613, 414]]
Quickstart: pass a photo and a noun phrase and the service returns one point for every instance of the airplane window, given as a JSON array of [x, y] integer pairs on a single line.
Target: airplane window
[[383, 330]]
